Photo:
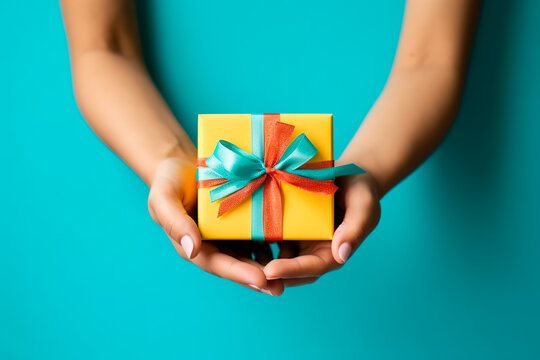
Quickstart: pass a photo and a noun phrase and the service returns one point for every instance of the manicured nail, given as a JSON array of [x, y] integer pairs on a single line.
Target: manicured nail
[[344, 251], [263, 290], [266, 291], [187, 245]]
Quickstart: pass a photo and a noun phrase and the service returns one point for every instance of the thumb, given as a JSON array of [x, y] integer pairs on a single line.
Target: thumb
[[356, 225], [167, 210]]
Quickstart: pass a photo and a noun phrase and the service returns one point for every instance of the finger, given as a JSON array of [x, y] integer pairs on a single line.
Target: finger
[[262, 252], [271, 290], [168, 211], [254, 288], [273, 287], [241, 251], [303, 266], [299, 281], [357, 224], [215, 262]]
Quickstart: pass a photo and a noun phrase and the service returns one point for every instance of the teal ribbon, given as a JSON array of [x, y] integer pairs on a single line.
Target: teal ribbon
[[240, 168], [257, 148]]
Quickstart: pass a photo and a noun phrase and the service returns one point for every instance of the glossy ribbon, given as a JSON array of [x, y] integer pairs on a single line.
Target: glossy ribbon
[[239, 174]]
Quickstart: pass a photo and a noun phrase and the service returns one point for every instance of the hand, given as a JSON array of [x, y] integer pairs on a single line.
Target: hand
[[172, 202], [303, 262]]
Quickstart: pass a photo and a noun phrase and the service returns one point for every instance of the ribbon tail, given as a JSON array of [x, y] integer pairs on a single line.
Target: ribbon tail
[[239, 196], [272, 210], [210, 183], [276, 138], [323, 187], [201, 162], [328, 173], [317, 165], [227, 189]]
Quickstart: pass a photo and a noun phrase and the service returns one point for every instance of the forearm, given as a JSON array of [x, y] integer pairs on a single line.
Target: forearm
[[421, 97], [408, 121], [122, 105], [113, 88]]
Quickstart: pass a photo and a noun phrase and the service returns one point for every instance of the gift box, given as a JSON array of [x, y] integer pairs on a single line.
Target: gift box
[[254, 183]]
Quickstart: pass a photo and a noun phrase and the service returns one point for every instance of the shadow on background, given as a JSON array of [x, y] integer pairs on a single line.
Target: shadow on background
[[467, 176], [477, 137]]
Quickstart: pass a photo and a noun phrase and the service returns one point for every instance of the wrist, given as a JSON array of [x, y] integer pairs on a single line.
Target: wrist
[[176, 151], [171, 153], [377, 171], [367, 179]]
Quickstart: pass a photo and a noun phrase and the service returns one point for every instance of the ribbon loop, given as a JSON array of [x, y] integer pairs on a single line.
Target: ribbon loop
[[300, 151], [276, 138], [233, 163]]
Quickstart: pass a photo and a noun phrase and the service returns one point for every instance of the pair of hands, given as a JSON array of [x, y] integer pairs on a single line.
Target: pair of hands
[[172, 203]]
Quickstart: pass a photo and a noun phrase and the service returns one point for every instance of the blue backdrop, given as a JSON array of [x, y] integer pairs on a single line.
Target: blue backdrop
[[451, 272]]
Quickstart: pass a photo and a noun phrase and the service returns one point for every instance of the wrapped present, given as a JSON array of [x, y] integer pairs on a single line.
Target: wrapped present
[[254, 183]]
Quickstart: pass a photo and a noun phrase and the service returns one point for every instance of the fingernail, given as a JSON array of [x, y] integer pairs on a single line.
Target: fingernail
[[266, 291], [344, 251], [187, 245], [263, 290]]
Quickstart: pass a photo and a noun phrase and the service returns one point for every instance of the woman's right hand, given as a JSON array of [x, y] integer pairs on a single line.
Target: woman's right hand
[[172, 204]]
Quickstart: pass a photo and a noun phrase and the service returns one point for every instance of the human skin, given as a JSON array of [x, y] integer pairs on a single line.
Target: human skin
[[410, 118]]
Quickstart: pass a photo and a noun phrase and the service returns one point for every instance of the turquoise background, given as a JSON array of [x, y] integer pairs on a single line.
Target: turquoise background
[[452, 271]]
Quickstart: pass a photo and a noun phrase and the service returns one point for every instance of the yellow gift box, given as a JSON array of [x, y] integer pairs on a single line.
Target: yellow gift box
[[306, 215]]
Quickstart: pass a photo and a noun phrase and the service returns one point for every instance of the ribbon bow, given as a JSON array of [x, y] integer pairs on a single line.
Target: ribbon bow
[[240, 174]]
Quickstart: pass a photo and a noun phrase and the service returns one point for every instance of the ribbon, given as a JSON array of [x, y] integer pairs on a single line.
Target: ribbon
[[239, 174]]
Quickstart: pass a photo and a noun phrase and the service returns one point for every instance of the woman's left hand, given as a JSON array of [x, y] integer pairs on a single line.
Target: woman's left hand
[[303, 262]]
